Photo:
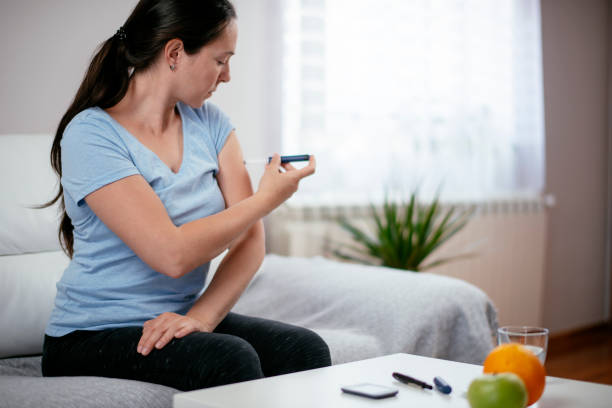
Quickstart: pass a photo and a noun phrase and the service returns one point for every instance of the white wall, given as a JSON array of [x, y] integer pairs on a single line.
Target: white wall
[[48, 45], [252, 98]]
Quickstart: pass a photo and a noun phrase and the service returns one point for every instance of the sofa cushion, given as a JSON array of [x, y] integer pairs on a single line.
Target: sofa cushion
[[21, 366], [27, 180], [82, 392], [22, 385], [27, 293]]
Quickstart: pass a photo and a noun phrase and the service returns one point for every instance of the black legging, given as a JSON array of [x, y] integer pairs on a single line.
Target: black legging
[[241, 348]]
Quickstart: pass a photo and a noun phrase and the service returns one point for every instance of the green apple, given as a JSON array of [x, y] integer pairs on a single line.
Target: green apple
[[504, 390]]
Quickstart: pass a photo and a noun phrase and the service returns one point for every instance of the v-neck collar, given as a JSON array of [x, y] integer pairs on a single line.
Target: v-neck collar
[[184, 152]]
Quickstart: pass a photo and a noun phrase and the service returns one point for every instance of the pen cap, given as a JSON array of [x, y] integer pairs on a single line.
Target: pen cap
[[442, 385]]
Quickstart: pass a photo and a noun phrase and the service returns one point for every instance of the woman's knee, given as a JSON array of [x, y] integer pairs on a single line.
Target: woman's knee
[[202, 360], [239, 362], [314, 349], [303, 350]]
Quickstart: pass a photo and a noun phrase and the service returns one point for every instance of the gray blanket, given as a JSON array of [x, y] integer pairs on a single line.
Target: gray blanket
[[365, 311]]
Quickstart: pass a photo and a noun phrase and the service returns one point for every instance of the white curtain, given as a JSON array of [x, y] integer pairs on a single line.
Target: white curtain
[[396, 94]]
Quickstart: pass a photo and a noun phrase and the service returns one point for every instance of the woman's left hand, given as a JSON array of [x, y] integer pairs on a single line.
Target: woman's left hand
[[159, 331]]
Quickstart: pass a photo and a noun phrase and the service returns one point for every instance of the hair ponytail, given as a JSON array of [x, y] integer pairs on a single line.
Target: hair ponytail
[[134, 48], [104, 85]]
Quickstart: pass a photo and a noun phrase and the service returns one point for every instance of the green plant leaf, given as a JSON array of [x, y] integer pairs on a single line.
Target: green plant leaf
[[434, 238], [409, 227], [428, 217], [455, 226], [405, 234], [376, 218], [352, 258], [450, 229], [357, 234], [442, 261], [371, 247]]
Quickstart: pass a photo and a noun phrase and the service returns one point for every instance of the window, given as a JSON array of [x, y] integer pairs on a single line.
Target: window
[[394, 94]]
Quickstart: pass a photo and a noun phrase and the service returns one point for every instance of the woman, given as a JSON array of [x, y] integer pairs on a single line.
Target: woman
[[154, 186]]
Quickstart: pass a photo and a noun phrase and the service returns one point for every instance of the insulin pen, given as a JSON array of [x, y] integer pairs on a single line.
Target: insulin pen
[[284, 159]]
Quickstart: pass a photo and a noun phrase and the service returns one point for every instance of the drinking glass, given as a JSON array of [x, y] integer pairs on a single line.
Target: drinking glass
[[533, 338]]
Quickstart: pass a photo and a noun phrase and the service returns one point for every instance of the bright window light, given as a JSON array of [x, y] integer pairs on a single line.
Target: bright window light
[[394, 94]]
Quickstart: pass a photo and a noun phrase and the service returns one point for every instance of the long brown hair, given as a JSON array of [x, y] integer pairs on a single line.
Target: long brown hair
[[135, 47]]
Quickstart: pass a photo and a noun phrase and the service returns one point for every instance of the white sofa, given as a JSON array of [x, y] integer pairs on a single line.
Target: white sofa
[[359, 311]]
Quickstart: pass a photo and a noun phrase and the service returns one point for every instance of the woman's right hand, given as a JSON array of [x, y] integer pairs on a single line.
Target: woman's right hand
[[277, 186]]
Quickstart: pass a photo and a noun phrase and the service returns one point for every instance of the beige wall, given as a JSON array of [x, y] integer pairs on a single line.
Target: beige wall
[[47, 45], [609, 202], [575, 61]]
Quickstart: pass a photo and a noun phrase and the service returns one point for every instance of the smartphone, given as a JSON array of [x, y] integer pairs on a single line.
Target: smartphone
[[370, 390]]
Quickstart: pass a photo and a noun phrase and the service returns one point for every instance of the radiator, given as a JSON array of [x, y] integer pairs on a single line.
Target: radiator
[[508, 237]]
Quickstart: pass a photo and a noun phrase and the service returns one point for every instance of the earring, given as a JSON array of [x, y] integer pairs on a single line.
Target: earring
[[172, 67]]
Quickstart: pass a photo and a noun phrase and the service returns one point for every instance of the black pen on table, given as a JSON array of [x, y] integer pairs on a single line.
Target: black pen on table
[[406, 379]]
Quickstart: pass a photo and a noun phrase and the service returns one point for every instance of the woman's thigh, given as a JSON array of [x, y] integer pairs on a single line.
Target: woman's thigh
[[282, 348], [198, 360]]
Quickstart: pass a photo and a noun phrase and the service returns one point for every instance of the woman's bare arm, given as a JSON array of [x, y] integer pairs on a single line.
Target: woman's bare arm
[[234, 272], [130, 208], [246, 252]]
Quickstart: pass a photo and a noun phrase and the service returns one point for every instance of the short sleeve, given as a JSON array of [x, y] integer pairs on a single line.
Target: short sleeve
[[93, 155], [219, 123]]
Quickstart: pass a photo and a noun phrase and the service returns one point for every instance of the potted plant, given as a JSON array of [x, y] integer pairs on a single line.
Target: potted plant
[[406, 234]]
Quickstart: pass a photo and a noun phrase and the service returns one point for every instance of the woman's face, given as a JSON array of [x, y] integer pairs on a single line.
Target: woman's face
[[204, 71]]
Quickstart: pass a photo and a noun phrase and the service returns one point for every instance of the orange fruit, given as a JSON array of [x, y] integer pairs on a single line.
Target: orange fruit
[[514, 358]]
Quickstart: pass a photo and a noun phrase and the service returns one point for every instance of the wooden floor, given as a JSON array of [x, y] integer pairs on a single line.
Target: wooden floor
[[585, 355]]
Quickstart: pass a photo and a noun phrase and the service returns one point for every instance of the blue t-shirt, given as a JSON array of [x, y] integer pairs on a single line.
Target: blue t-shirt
[[106, 285]]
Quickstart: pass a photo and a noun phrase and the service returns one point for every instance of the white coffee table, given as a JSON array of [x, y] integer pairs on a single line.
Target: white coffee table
[[321, 387]]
